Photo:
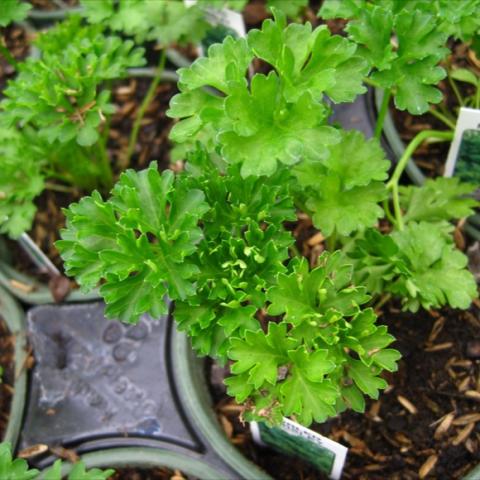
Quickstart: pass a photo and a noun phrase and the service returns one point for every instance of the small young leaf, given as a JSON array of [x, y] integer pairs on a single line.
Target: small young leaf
[[437, 200], [465, 75]]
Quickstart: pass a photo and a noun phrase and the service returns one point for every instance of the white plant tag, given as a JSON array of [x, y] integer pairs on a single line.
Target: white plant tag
[[293, 439], [463, 159]]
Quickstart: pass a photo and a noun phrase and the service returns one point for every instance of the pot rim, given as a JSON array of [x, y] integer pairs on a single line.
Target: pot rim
[[14, 317]]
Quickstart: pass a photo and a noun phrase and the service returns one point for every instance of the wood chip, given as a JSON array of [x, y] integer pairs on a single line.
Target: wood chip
[[227, 426], [22, 286], [464, 384], [463, 434], [471, 446], [467, 419], [407, 404], [33, 451], [428, 466], [445, 424], [438, 347], [65, 454], [473, 394], [315, 240], [374, 411], [436, 329], [231, 408]]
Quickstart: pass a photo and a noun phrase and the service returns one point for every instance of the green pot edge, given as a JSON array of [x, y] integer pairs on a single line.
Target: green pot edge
[[142, 457], [196, 399], [15, 320], [41, 294]]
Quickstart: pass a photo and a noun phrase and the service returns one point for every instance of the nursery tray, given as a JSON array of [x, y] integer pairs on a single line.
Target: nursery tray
[[99, 384]]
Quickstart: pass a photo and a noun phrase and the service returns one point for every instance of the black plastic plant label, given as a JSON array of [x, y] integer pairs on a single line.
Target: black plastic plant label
[[293, 439]]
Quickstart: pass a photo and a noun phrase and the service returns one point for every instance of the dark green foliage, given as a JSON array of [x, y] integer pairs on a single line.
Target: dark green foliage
[[403, 42]]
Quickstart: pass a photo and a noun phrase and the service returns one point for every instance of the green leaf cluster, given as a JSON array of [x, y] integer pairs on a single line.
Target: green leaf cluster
[[61, 93], [460, 20], [18, 469], [243, 249], [13, 11], [164, 21], [324, 353], [278, 119], [212, 242], [20, 181], [138, 243], [301, 340], [421, 263], [52, 116], [403, 42], [343, 195]]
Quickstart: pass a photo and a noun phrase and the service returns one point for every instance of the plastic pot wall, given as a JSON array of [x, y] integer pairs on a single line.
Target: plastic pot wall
[[14, 318], [100, 387]]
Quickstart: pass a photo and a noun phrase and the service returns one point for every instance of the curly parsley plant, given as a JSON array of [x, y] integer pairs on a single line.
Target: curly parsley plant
[[301, 340]]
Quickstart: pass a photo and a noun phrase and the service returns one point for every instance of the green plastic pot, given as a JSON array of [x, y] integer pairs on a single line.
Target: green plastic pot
[[216, 459], [15, 320], [145, 458], [195, 398], [32, 292]]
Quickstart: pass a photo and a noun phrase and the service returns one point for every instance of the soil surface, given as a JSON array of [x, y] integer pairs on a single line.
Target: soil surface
[[7, 374]]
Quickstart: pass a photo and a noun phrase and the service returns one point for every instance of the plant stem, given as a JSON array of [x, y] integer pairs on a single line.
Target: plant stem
[[106, 173], [294, 252], [144, 105], [455, 89], [388, 213], [59, 188], [370, 82], [58, 176], [382, 301], [412, 146], [443, 118], [477, 97], [8, 56], [331, 241], [383, 112]]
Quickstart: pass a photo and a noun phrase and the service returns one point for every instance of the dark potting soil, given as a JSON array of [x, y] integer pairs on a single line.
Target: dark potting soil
[[7, 378], [149, 474], [425, 423]]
